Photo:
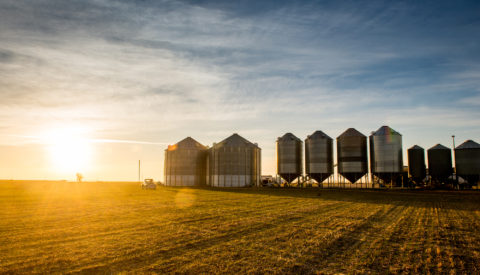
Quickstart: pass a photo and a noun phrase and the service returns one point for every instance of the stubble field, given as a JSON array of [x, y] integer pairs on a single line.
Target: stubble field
[[64, 227]]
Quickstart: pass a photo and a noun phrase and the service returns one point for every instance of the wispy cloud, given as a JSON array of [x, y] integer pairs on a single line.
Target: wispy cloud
[[163, 70]]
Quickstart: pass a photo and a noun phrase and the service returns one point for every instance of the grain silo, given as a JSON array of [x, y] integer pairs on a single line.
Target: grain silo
[[439, 163], [185, 163], [352, 155], [386, 158], [319, 156], [234, 162], [416, 163], [467, 161], [289, 157]]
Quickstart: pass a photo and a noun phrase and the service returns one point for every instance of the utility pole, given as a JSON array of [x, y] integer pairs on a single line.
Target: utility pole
[[138, 170], [454, 161]]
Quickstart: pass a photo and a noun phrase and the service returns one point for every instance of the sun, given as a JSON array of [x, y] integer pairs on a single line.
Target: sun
[[69, 150]]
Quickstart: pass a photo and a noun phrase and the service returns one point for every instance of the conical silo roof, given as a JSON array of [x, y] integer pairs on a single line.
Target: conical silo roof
[[318, 134], [439, 147], [235, 140], [385, 131], [469, 144], [289, 136], [187, 143], [415, 147], [351, 132]]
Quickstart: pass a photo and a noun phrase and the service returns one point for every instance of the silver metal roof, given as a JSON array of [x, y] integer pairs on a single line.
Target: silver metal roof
[[187, 143], [318, 134], [469, 144], [235, 140], [351, 132], [439, 147], [385, 131], [289, 136]]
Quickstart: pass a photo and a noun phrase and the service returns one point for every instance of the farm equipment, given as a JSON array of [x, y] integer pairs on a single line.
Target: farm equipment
[[149, 184]]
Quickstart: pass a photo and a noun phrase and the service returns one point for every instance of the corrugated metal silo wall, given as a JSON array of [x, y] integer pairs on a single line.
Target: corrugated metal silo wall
[[289, 158], [386, 154], [352, 157], [439, 164], [467, 163], [234, 166], [319, 158], [185, 167], [416, 164]]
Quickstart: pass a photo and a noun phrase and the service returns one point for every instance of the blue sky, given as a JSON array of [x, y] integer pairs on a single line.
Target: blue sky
[[135, 76]]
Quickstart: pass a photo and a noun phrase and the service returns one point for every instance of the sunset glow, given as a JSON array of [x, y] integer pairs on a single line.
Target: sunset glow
[[140, 75], [69, 150]]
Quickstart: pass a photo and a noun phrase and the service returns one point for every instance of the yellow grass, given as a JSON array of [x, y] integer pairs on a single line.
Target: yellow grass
[[50, 227]]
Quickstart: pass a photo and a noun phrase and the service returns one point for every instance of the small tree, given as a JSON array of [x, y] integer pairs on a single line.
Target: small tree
[[79, 177]]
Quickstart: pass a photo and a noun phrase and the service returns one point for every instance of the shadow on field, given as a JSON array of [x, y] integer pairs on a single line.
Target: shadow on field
[[459, 200]]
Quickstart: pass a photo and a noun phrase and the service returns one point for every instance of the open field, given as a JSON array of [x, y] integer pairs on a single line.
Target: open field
[[112, 227]]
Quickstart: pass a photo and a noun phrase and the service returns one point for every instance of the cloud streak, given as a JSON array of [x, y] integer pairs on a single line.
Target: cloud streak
[[163, 70]]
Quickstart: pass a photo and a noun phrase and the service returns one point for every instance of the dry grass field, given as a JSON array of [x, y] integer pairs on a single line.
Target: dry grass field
[[50, 227]]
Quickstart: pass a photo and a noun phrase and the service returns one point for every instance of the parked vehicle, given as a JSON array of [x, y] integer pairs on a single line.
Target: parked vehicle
[[149, 184]]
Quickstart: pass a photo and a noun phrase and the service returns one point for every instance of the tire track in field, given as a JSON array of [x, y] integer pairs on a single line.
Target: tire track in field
[[321, 257], [32, 261], [426, 246], [294, 234], [389, 226], [451, 243], [138, 258], [394, 250], [441, 245], [426, 237], [395, 239], [368, 236], [59, 239], [409, 240], [51, 244], [285, 245], [463, 240]]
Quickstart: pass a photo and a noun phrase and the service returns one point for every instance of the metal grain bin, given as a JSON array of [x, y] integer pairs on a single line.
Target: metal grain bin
[[234, 162], [439, 163], [416, 163], [467, 160], [289, 157], [352, 155], [386, 158], [319, 156], [185, 163]]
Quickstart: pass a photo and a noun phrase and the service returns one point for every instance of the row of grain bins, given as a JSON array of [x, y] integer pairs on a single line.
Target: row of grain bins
[[352, 160], [233, 162], [440, 168], [386, 158], [318, 154]]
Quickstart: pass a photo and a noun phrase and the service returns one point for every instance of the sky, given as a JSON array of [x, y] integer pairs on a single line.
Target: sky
[[93, 86]]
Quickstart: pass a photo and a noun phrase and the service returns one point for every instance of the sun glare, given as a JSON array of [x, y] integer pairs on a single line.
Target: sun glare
[[69, 150]]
